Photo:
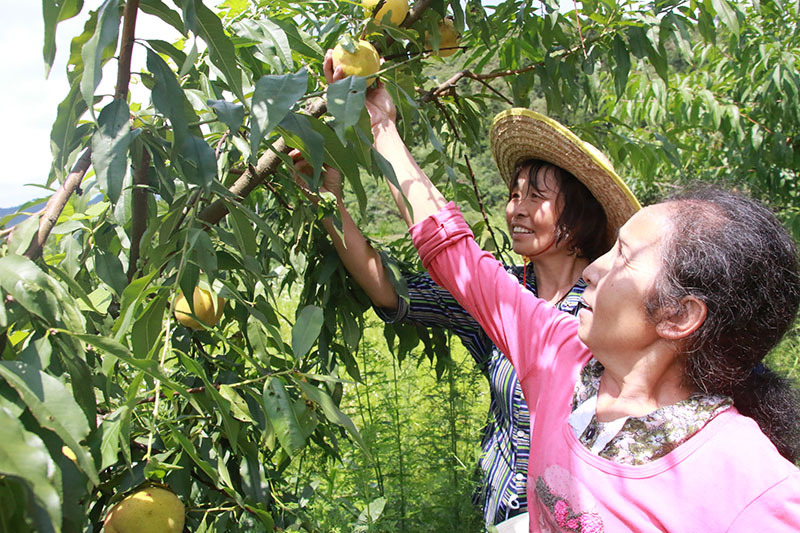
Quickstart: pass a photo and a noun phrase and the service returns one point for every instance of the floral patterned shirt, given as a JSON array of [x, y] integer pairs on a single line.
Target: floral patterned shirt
[[638, 440]]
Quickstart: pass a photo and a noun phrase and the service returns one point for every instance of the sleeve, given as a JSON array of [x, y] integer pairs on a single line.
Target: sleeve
[[431, 306], [526, 329], [777, 509]]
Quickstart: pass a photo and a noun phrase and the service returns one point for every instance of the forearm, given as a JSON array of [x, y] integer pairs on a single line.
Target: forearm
[[424, 198], [361, 260]]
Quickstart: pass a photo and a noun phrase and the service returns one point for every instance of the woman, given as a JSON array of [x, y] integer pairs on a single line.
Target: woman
[[641, 405], [553, 220]]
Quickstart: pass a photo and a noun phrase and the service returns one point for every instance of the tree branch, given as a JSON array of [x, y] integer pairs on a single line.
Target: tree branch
[[416, 12], [443, 88], [126, 49], [55, 205], [139, 197], [255, 176]]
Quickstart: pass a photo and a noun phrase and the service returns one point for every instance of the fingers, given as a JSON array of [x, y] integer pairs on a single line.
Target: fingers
[[327, 66], [301, 166], [332, 74]]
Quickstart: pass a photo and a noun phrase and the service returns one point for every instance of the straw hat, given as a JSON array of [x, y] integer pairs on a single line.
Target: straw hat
[[519, 134]]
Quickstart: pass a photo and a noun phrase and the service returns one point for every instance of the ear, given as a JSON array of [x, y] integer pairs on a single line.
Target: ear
[[684, 321]]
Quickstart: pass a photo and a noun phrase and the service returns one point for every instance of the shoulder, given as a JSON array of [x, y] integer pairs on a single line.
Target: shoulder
[[739, 441]]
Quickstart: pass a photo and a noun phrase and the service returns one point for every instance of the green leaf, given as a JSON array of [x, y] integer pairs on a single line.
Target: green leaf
[[231, 114], [623, 64], [132, 296], [24, 456], [146, 331], [55, 11], [198, 161], [116, 436], [332, 411], [168, 49], [300, 41], [265, 33], [106, 33], [299, 134], [230, 425], [727, 14], [158, 9], [190, 449], [273, 97], [370, 515], [65, 135], [239, 408], [75, 288], [110, 147], [109, 269], [278, 407], [168, 96], [340, 157], [37, 292], [23, 234], [220, 48], [53, 406], [345, 102], [306, 330]]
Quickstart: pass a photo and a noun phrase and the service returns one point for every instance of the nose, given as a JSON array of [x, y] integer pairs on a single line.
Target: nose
[[591, 274], [517, 208]]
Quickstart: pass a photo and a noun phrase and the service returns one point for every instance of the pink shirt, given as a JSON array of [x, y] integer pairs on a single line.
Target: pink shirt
[[727, 477]]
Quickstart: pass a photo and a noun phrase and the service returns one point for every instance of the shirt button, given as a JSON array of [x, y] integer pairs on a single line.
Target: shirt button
[[519, 476], [520, 434], [513, 502]]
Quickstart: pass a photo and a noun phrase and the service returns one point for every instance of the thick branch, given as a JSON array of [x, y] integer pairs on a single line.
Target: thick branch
[[413, 15], [126, 49], [56, 203], [416, 12], [139, 197], [255, 176]]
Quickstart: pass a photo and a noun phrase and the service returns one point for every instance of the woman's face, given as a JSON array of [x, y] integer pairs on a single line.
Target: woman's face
[[531, 215], [615, 321]]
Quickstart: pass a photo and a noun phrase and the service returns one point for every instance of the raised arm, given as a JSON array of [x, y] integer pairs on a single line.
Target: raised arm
[[422, 195], [359, 258]]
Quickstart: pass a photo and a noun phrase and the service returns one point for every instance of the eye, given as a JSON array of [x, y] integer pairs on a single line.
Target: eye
[[621, 253]]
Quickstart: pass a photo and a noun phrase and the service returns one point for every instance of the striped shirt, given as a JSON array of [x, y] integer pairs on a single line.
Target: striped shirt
[[506, 440]]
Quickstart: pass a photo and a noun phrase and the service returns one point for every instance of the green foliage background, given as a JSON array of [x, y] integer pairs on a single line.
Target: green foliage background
[[298, 411]]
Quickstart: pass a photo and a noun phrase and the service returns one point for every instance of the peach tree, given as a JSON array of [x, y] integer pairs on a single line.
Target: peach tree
[[179, 178]]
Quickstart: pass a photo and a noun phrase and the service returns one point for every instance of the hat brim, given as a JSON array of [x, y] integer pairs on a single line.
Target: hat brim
[[520, 134]]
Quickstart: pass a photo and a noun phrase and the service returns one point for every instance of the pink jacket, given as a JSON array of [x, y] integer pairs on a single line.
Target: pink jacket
[[727, 477]]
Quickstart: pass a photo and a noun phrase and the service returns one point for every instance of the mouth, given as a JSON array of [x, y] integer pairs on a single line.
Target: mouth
[[583, 305], [518, 230]]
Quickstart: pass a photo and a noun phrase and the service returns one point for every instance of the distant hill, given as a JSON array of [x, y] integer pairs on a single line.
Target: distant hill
[[5, 211]]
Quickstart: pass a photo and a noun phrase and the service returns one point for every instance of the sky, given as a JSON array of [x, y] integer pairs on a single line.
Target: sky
[[29, 101]]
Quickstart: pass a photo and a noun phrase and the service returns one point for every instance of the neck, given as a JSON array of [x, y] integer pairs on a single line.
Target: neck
[[652, 381], [556, 275]]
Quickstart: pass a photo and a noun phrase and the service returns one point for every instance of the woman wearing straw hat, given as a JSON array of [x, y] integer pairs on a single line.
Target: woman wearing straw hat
[[556, 222], [652, 409]]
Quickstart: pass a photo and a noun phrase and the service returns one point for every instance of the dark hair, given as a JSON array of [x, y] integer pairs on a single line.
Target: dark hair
[[582, 221], [732, 253]]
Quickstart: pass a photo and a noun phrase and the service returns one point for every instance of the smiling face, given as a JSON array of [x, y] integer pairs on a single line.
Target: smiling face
[[618, 283], [532, 212]]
